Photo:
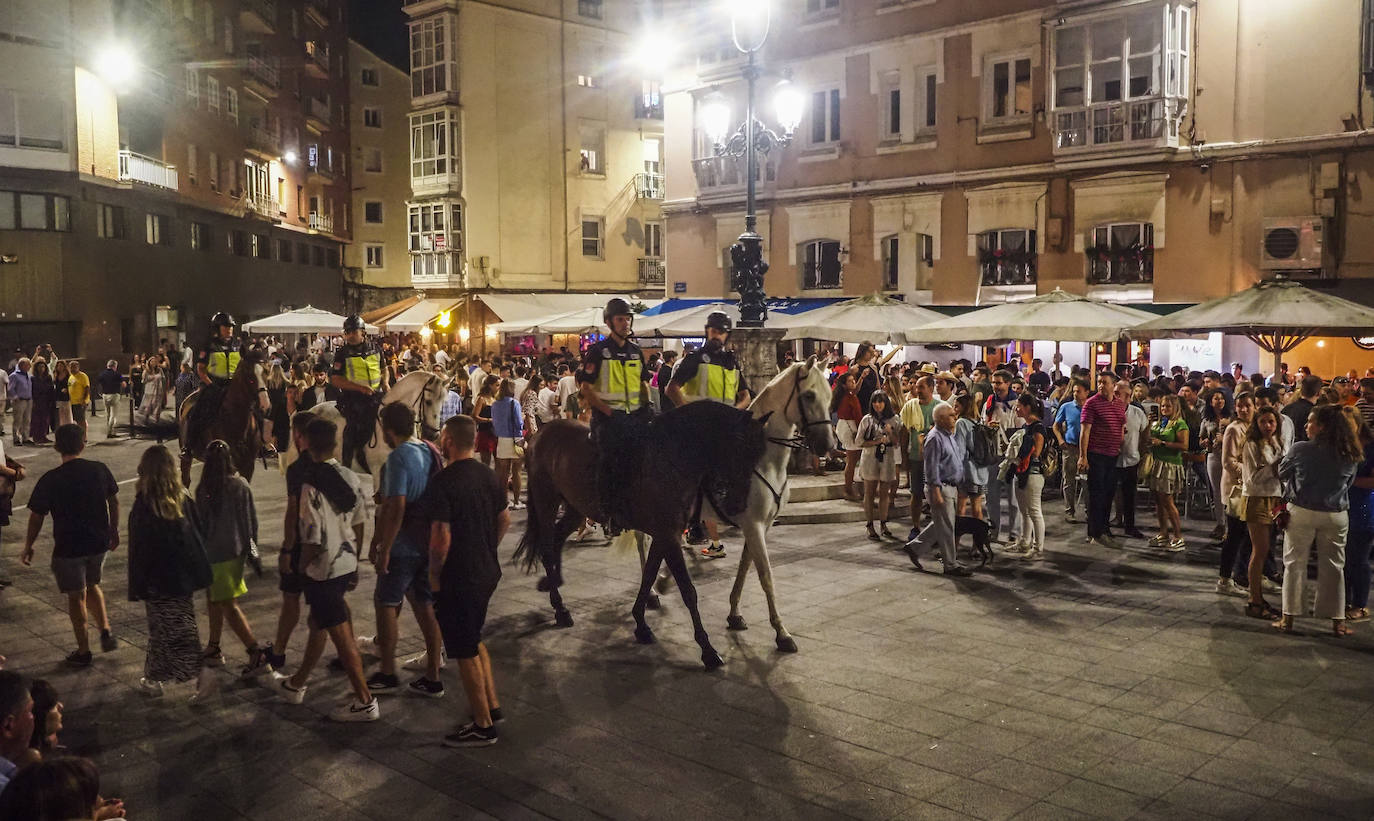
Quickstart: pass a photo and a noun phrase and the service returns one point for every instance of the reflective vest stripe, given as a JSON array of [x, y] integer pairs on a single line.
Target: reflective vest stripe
[[222, 364], [721, 384], [364, 370], [618, 383]]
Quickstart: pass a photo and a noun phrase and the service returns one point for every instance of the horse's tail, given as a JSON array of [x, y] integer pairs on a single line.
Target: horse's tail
[[540, 514]]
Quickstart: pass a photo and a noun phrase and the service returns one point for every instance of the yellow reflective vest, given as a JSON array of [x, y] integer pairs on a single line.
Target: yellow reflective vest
[[716, 378], [619, 373], [222, 364], [363, 366]]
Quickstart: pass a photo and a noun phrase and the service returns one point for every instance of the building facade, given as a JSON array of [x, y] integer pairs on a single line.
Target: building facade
[[377, 259], [160, 161], [536, 149], [957, 153]]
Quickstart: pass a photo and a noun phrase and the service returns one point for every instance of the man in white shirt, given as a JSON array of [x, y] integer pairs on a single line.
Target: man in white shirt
[[1128, 461], [547, 408], [567, 386], [441, 357]]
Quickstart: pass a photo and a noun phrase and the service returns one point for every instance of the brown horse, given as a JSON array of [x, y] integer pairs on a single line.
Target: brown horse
[[235, 423], [702, 444]]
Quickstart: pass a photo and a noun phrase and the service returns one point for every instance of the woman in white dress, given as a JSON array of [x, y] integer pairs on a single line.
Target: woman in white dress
[[877, 440]]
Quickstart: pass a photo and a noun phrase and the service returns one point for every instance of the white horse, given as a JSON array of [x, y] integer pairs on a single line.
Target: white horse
[[421, 391], [796, 407]]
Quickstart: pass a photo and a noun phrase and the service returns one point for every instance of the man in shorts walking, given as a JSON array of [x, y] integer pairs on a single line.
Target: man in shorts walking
[[329, 561], [401, 555], [83, 498], [467, 510]]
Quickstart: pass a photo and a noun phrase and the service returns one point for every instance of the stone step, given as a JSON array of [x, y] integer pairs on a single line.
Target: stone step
[[830, 511], [805, 487]]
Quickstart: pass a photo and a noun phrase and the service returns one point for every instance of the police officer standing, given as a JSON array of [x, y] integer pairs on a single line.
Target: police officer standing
[[360, 375], [612, 381], [710, 373], [216, 365]]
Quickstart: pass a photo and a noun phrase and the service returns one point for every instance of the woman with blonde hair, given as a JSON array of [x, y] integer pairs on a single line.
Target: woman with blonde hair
[[1262, 493], [278, 416], [1169, 439], [167, 565]]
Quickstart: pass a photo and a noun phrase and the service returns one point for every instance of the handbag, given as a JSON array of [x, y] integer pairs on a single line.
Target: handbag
[[1235, 502]]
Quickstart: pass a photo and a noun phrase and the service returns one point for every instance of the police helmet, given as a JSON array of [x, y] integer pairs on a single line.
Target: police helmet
[[616, 307], [222, 319], [720, 321], [353, 323]]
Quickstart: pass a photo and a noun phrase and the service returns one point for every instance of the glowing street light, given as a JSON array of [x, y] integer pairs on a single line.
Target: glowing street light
[[116, 64]]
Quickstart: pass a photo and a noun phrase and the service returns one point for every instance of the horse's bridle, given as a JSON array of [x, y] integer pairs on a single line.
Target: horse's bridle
[[797, 441], [426, 431]]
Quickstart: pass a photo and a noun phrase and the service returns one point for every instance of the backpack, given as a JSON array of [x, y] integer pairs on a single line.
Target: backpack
[[983, 448]]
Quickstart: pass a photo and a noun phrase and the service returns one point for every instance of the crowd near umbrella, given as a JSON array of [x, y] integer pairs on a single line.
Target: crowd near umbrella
[[307, 320], [1057, 315], [1275, 314], [580, 321], [873, 318]]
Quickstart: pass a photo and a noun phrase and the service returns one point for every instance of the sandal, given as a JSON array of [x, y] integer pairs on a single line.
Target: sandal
[[1281, 626], [1263, 610], [1357, 614], [873, 534], [1158, 541], [1339, 629], [887, 533]]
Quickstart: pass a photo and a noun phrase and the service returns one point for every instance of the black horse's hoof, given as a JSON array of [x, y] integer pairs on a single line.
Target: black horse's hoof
[[653, 602], [736, 623], [545, 584], [644, 635], [787, 645], [712, 659], [562, 618]]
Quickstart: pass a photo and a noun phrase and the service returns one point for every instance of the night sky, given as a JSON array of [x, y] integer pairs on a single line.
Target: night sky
[[381, 26]]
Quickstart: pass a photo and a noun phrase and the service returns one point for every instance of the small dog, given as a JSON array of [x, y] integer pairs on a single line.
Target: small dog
[[963, 526]]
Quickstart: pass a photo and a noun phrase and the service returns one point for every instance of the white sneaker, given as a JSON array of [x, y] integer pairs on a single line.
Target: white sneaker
[[1033, 554], [367, 644], [1019, 547], [1270, 586], [421, 662], [206, 686], [357, 711], [289, 694], [150, 687]]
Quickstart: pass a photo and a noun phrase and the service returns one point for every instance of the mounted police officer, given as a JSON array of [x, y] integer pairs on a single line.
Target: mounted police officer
[[215, 365], [710, 373], [359, 373], [612, 382]]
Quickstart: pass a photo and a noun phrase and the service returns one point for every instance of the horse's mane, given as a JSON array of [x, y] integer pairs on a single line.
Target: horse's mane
[[707, 438]]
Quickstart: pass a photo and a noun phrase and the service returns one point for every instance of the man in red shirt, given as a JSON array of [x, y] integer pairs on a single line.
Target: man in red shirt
[[1100, 443]]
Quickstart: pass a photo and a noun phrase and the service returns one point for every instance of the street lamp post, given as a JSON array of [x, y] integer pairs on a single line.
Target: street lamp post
[[749, 22]]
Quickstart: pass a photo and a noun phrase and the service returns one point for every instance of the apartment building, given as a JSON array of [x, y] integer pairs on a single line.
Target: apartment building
[[377, 259], [958, 153], [160, 161], [536, 150]]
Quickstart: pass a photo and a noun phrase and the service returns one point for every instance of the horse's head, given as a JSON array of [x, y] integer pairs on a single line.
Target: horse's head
[[810, 408], [430, 404], [254, 373]]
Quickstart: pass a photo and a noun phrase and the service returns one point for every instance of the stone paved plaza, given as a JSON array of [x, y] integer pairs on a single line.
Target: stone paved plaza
[[1087, 686]]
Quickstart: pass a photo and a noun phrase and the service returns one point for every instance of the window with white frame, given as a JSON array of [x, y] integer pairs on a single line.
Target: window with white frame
[[890, 107], [1007, 89], [820, 265], [214, 171], [593, 237], [1007, 256], [31, 121], [372, 117], [231, 103], [430, 143], [212, 94], [431, 59], [825, 117], [925, 100], [586, 81], [822, 8], [191, 162], [592, 148], [193, 85], [374, 255], [431, 228], [1121, 254], [372, 160], [1121, 78], [156, 230], [653, 239], [109, 221], [891, 246], [369, 77], [372, 212], [201, 236]]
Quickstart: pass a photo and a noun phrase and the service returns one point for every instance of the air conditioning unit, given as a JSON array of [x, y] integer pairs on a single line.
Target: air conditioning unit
[[1292, 244]]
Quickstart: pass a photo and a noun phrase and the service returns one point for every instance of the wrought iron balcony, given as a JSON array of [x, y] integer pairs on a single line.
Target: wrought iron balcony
[[258, 16], [317, 115], [138, 168], [321, 222], [648, 109], [652, 272], [260, 76], [262, 141], [649, 186], [262, 205]]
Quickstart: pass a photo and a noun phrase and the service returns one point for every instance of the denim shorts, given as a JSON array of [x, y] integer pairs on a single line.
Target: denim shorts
[[405, 573]]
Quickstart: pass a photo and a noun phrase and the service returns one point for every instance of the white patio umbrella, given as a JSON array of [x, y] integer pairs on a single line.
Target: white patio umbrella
[[873, 318], [552, 323], [1058, 315], [307, 320], [1276, 314], [688, 322]]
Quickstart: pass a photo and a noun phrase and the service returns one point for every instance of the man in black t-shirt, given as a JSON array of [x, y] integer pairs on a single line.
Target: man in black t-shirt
[[1038, 379], [83, 498], [1299, 409], [466, 507]]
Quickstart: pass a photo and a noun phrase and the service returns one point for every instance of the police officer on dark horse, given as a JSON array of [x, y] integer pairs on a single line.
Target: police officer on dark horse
[[360, 374], [218, 366], [613, 382]]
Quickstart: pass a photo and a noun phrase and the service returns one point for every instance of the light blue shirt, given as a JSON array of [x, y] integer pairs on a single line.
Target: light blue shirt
[[7, 769], [407, 474], [1070, 415], [944, 458], [21, 385]]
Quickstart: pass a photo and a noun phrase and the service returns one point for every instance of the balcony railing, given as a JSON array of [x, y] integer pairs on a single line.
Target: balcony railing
[[649, 186], [263, 72], [1116, 123], [321, 222], [317, 59], [317, 110], [258, 16], [138, 168], [263, 140], [262, 204], [652, 272], [715, 173]]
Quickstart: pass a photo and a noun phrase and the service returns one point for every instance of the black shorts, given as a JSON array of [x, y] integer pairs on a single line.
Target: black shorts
[[326, 600], [294, 581], [461, 612]]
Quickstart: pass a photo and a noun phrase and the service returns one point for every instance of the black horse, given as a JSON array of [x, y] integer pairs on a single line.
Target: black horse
[[700, 445]]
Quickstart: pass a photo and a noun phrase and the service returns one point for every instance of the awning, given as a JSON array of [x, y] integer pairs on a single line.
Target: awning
[[522, 307], [307, 320], [382, 314], [419, 315], [687, 317]]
